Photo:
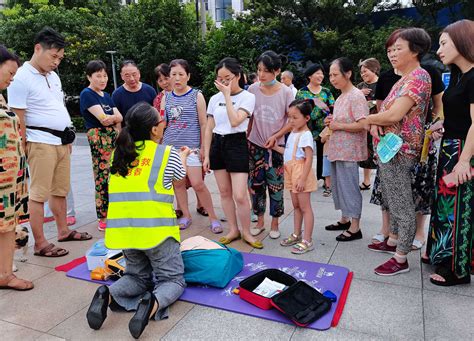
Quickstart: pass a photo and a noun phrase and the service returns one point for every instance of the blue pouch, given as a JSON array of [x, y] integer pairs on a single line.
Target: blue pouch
[[388, 147], [216, 267]]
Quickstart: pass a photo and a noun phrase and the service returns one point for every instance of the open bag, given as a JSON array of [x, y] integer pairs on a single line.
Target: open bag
[[298, 301]]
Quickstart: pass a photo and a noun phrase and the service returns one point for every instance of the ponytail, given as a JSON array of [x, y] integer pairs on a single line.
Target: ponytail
[[140, 119], [125, 153]]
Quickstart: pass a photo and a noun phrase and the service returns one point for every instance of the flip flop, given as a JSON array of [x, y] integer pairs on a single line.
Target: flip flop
[[184, 223], [72, 234], [364, 187], [51, 251]]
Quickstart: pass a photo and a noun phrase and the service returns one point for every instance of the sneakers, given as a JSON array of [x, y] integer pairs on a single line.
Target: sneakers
[[71, 220], [383, 247], [48, 219], [392, 268], [102, 226]]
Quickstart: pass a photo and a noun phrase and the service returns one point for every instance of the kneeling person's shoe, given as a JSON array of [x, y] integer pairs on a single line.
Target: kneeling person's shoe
[[97, 312], [139, 321]]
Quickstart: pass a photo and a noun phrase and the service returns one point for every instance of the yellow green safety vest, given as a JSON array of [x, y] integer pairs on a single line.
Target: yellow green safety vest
[[141, 213]]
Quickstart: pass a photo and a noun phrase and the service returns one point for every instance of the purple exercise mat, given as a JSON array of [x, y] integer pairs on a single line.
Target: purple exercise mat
[[321, 276]]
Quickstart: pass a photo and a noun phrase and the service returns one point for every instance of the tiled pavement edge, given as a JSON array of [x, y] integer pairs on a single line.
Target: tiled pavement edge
[[404, 307]]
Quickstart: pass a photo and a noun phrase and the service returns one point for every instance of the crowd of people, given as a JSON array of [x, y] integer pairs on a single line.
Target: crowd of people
[[258, 139]]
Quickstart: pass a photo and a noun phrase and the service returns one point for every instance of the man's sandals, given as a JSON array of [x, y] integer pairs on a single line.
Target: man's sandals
[[51, 251], [75, 236]]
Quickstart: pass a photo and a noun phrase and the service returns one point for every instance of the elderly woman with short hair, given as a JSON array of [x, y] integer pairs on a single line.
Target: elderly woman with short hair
[[403, 113]]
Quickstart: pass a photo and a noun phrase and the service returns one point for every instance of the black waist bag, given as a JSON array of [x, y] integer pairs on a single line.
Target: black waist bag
[[302, 303], [67, 136]]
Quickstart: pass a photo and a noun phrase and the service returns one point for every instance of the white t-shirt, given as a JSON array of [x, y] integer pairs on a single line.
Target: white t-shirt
[[306, 140], [43, 98], [217, 108], [294, 90]]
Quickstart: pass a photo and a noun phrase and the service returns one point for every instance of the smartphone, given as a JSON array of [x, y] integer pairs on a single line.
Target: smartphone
[[450, 179]]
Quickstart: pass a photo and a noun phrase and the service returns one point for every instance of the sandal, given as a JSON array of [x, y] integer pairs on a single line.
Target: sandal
[[179, 213], [184, 223], [72, 237], [291, 240], [202, 211], [216, 227], [417, 244], [51, 251], [21, 284], [425, 260], [327, 193], [378, 238], [302, 247], [364, 186], [450, 278]]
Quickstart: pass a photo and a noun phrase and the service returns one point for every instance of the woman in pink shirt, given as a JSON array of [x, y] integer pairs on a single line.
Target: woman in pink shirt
[[347, 146]]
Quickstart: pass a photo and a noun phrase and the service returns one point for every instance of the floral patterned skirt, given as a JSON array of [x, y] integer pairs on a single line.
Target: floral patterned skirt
[[450, 239]]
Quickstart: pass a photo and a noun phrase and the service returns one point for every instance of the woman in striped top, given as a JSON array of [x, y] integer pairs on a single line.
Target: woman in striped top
[[185, 114]]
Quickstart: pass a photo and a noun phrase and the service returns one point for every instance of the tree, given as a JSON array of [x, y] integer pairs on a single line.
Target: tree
[[153, 32]]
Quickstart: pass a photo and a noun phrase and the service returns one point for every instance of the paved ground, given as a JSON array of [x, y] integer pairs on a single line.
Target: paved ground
[[404, 307]]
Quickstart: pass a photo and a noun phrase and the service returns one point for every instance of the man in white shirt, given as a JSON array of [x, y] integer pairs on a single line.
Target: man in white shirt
[[36, 96], [287, 79]]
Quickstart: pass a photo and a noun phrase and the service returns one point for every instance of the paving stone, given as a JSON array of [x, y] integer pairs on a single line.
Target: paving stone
[[10, 331], [54, 299], [384, 310], [203, 323], [115, 326], [333, 334], [448, 316]]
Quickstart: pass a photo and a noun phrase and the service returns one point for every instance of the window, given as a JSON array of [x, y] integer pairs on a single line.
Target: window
[[223, 10]]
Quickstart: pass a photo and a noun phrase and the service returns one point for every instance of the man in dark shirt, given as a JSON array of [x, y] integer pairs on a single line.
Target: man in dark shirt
[[132, 91]]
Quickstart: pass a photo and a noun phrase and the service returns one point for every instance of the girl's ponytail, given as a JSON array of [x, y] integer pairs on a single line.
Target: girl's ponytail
[[125, 153], [140, 120]]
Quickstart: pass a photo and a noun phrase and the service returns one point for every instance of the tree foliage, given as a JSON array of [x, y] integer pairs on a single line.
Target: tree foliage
[[157, 31]]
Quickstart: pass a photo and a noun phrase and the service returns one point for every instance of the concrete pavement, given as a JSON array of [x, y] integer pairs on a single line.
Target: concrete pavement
[[404, 307]]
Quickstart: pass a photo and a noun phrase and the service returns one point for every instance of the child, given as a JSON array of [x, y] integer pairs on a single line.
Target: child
[[299, 176], [325, 135], [141, 221]]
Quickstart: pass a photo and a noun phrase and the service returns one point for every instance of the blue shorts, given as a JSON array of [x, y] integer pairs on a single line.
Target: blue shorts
[[326, 166]]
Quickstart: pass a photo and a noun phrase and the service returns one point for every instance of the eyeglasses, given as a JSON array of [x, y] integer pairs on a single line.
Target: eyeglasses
[[224, 81]]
